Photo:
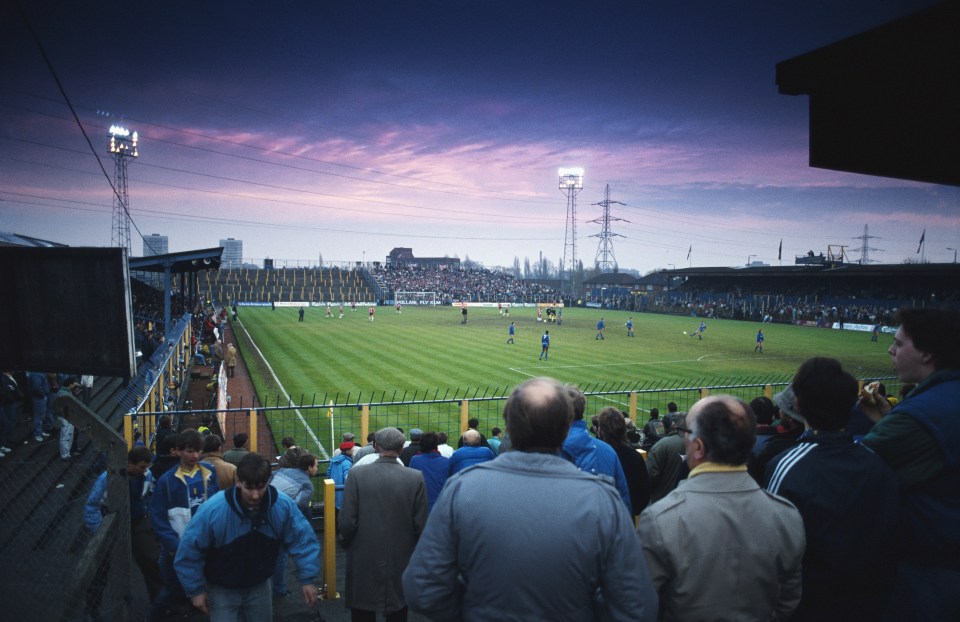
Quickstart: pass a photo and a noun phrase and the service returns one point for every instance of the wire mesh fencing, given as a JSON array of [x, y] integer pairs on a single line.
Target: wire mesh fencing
[[319, 424], [53, 567]]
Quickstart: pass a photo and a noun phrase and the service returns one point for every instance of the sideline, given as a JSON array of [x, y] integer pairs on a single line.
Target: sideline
[[283, 389], [735, 357]]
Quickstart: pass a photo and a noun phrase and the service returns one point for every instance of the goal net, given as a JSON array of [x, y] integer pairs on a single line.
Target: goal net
[[417, 298]]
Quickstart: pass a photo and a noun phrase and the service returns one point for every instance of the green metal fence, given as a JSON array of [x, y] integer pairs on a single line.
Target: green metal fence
[[318, 425]]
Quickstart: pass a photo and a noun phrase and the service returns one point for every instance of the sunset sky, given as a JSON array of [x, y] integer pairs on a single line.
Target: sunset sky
[[347, 128]]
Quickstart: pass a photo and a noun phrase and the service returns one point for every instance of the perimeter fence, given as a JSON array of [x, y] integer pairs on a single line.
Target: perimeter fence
[[317, 423], [55, 567]]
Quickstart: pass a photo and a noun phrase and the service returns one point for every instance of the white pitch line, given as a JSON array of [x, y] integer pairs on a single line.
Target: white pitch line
[[520, 371], [696, 360], [285, 394]]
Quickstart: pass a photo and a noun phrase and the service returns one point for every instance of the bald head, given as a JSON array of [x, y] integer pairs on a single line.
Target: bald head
[[471, 438], [538, 415], [723, 431]]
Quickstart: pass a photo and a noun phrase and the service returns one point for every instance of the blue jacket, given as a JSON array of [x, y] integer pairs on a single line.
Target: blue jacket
[[39, 386], [337, 471], [850, 503], [468, 456], [226, 545], [175, 500], [435, 469], [139, 489], [596, 457], [296, 484], [932, 509], [92, 516]]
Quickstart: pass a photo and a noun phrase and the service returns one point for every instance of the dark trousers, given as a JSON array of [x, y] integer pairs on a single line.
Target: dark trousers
[[171, 594], [145, 554], [362, 615]]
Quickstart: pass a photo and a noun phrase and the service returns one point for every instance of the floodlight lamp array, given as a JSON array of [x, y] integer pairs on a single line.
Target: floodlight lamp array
[[571, 178], [123, 141]]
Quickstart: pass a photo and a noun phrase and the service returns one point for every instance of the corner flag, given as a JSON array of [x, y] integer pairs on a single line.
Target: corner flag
[[922, 237]]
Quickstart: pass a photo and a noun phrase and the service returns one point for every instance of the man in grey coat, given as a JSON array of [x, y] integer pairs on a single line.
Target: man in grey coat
[[383, 514], [719, 544], [529, 536]]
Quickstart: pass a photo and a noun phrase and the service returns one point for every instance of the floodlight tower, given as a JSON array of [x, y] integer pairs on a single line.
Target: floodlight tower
[[605, 259], [123, 145], [571, 183]]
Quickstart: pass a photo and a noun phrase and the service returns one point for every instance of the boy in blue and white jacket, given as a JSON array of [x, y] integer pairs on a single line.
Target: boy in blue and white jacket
[[229, 550], [177, 496]]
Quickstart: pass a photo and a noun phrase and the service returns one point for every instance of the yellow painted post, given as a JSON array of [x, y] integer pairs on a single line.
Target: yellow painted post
[[633, 405], [364, 422], [329, 589], [464, 415], [147, 425], [128, 429], [704, 393], [252, 420], [768, 391]]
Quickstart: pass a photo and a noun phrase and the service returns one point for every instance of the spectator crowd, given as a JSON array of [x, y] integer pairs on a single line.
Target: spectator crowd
[[829, 501], [465, 284]]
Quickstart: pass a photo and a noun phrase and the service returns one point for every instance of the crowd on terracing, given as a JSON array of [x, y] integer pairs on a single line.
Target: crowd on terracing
[[470, 285], [777, 310]]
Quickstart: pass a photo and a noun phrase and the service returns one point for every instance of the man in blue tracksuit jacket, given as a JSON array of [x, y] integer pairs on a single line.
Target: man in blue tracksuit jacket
[[228, 552], [590, 454]]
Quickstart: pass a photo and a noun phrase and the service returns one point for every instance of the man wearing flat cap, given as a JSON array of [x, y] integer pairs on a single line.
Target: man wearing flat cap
[[413, 448], [384, 511], [787, 436]]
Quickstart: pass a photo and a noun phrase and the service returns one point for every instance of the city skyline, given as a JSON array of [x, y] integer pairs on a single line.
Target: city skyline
[[351, 128]]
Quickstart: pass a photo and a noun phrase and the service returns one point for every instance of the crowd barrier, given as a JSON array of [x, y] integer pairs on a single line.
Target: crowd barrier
[[318, 425]]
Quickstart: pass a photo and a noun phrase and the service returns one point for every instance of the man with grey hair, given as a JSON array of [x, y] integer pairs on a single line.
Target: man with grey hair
[[480, 544], [717, 515], [384, 511]]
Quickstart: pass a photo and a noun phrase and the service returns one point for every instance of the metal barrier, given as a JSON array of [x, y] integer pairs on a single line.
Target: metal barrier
[[53, 567], [159, 382], [318, 426]]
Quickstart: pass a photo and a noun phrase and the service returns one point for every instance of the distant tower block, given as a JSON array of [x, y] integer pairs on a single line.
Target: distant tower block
[[123, 145], [605, 260], [571, 183]]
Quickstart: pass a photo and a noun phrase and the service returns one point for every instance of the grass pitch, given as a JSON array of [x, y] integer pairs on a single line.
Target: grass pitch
[[428, 349]]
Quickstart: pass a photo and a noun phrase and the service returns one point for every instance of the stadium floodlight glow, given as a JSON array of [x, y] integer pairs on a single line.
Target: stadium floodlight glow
[[123, 141], [571, 177]]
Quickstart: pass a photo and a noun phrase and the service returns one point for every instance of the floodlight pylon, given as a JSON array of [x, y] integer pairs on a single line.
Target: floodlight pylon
[[571, 183], [123, 145]]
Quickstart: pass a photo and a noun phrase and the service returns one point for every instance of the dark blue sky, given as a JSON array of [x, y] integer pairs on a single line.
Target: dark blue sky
[[343, 129]]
